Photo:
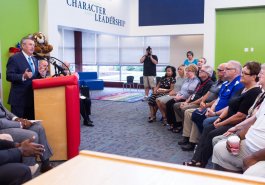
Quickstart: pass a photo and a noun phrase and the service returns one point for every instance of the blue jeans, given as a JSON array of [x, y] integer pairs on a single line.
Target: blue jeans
[[209, 121]]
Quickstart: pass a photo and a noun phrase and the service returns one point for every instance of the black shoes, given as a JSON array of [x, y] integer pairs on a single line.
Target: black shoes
[[188, 147], [88, 123], [184, 141], [45, 168]]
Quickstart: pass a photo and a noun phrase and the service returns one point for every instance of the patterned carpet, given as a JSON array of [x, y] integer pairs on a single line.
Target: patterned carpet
[[122, 128], [129, 97]]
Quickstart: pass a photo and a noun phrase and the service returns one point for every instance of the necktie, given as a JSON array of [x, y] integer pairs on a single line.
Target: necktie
[[31, 65]]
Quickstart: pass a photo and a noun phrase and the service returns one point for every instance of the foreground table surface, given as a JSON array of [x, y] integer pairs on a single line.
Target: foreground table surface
[[93, 168]]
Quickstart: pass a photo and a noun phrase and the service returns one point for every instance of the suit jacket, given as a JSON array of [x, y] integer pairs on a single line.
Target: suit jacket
[[8, 152], [21, 92], [6, 118]]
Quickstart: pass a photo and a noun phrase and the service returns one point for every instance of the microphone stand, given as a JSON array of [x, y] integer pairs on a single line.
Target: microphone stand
[[57, 68]]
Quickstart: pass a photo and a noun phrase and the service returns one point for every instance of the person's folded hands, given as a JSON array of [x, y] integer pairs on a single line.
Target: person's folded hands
[[25, 123]]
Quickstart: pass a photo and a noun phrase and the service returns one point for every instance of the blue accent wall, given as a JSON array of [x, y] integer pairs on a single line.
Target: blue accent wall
[[170, 12]]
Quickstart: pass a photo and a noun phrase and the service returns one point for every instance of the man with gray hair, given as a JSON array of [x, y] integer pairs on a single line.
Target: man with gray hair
[[191, 132], [194, 100], [21, 69], [232, 73]]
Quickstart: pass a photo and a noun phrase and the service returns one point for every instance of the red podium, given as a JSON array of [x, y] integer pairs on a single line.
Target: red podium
[[56, 102]]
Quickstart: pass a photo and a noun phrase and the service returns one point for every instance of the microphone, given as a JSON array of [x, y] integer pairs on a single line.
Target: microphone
[[60, 67], [52, 60]]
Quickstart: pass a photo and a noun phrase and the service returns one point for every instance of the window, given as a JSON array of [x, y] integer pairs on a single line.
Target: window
[[109, 73], [135, 71], [131, 50], [107, 49], [160, 47], [66, 46], [115, 57], [89, 48]]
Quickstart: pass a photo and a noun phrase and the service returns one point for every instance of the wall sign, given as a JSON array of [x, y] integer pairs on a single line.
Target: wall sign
[[99, 12]]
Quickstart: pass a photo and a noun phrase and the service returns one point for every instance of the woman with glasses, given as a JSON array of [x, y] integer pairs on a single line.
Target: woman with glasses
[[187, 89], [234, 113]]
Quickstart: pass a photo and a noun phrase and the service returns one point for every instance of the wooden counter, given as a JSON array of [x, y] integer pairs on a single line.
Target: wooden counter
[[93, 168]]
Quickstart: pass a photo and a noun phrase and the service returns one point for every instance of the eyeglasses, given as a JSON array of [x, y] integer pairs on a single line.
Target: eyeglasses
[[220, 70], [202, 71], [180, 69], [229, 69], [244, 73]]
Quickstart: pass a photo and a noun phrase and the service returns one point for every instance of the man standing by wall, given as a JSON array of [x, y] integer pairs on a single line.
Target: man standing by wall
[[22, 68], [149, 74]]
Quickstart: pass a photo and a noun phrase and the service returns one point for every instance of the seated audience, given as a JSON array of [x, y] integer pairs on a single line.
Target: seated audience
[[239, 126], [194, 100], [12, 171], [161, 101], [191, 133], [233, 114], [187, 89], [190, 60], [251, 158], [164, 86], [228, 89], [21, 129]]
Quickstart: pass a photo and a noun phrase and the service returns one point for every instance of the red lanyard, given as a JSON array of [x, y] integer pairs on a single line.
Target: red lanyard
[[201, 85]]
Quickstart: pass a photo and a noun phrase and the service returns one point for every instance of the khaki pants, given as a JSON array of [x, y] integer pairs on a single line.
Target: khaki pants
[[149, 82], [179, 112], [228, 161], [190, 129]]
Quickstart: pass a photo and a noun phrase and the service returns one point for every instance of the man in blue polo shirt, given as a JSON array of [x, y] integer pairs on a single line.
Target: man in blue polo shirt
[[231, 86]]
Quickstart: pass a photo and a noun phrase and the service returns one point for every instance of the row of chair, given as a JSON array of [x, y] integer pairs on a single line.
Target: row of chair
[[130, 84]]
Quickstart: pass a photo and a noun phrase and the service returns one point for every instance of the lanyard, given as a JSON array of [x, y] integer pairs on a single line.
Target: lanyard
[[201, 85]]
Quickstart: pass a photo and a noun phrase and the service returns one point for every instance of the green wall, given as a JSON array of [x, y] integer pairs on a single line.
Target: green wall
[[237, 29], [18, 18]]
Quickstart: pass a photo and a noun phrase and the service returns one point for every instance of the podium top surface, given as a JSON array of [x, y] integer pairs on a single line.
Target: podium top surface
[[54, 82], [96, 168]]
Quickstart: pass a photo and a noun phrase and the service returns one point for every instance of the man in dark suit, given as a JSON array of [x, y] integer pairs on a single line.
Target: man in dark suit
[[12, 171], [22, 68], [85, 101], [22, 129]]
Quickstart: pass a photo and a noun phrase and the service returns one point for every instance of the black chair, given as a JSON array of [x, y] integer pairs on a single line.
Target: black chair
[[158, 78], [129, 82], [141, 84]]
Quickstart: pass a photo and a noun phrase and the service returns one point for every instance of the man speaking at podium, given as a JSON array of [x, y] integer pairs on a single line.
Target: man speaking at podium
[[22, 68]]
